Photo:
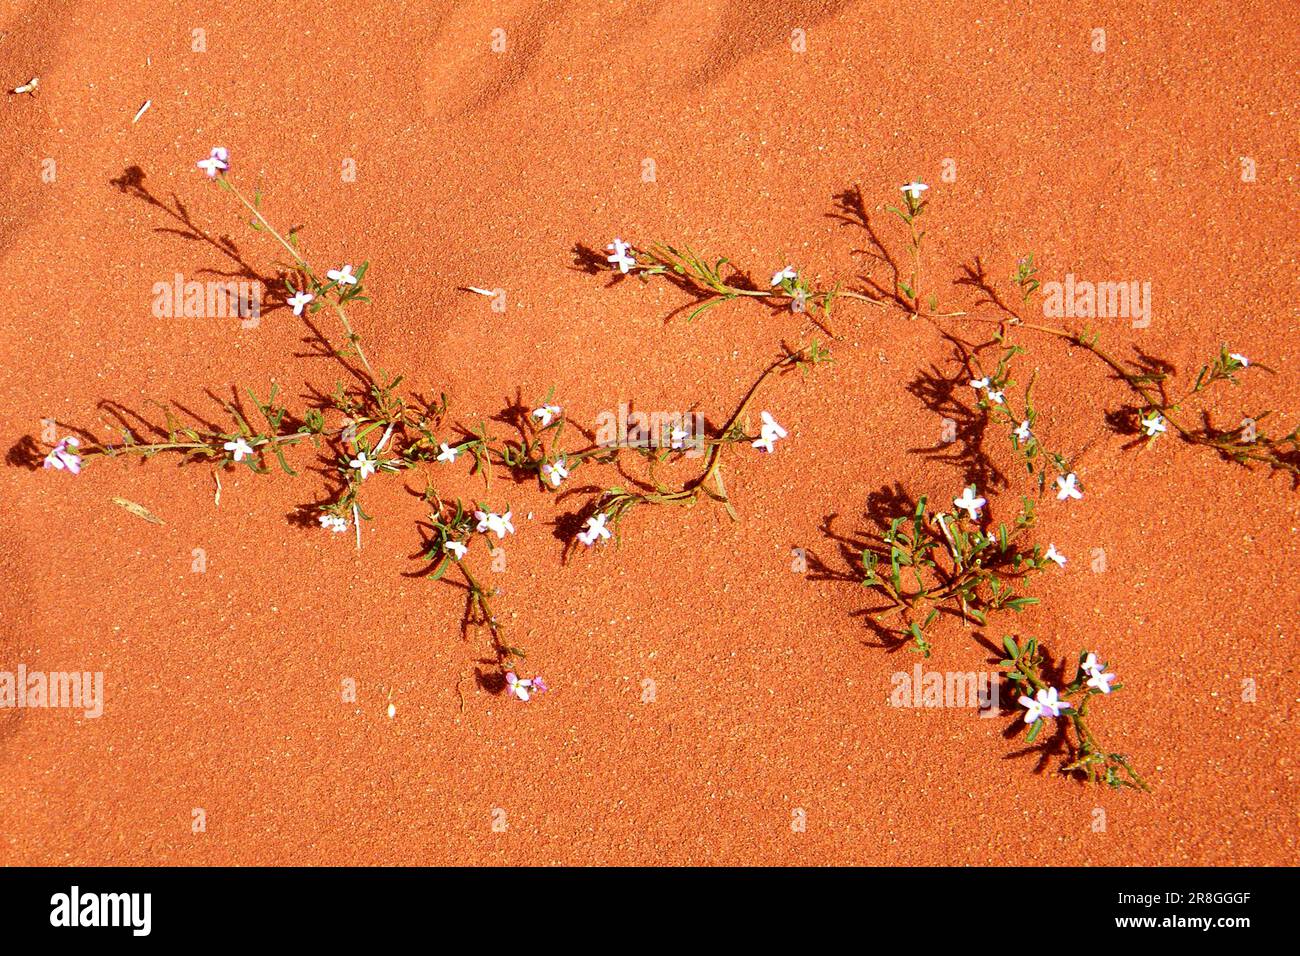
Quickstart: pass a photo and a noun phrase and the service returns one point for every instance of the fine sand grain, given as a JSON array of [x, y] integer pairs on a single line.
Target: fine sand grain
[[482, 168]]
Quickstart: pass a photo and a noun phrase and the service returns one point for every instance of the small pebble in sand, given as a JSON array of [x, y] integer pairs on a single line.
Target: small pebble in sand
[[392, 711]]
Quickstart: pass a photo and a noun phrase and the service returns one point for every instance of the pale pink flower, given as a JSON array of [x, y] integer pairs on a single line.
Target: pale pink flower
[[517, 687], [217, 162], [60, 458]]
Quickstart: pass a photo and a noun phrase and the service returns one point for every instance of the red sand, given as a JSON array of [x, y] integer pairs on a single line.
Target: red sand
[[482, 168]]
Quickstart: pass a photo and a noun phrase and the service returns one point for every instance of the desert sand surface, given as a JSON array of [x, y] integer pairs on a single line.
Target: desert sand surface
[[479, 167]]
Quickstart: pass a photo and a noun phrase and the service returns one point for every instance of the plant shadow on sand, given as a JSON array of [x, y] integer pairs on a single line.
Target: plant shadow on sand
[[132, 183], [591, 262], [1047, 746], [961, 444], [882, 505], [850, 210]]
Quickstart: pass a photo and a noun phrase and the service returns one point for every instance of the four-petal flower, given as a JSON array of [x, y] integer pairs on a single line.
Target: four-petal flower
[[1154, 425], [787, 273], [60, 458], [217, 162], [1100, 680], [238, 448], [333, 523], [970, 502], [769, 433], [342, 276], [299, 301], [555, 471], [547, 414], [497, 524], [596, 529], [364, 464], [620, 257], [1067, 487], [517, 687]]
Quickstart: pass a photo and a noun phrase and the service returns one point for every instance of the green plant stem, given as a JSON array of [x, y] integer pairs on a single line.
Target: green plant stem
[[690, 492], [113, 452], [1152, 399], [916, 267], [353, 339]]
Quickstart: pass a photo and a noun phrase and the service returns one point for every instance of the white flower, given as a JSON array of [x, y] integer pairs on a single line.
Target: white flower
[[1096, 671], [60, 458], [238, 448], [1045, 703], [769, 433], [679, 436], [1050, 702], [333, 523], [516, 687], [994, 397], [455, 549], [1054, 555], [620, 257], [1066, 487], [1100, 680], [555, 472], [1033, 709], [1023, 433], [595, 529], [786, 273], [497, 524], [299, 301], [978, 383], [342, 276], [1245, 362], [364, 464], [970, 502], [547, 414], [1154, 425], [914, 189], [217, 161], [447, 453]]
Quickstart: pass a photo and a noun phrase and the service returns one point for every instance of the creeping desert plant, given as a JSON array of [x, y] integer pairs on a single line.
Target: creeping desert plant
[[377, 430], [617, 502], [712, 281], [374, 429], [928, 563], [1089, 759], [993, 390]]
